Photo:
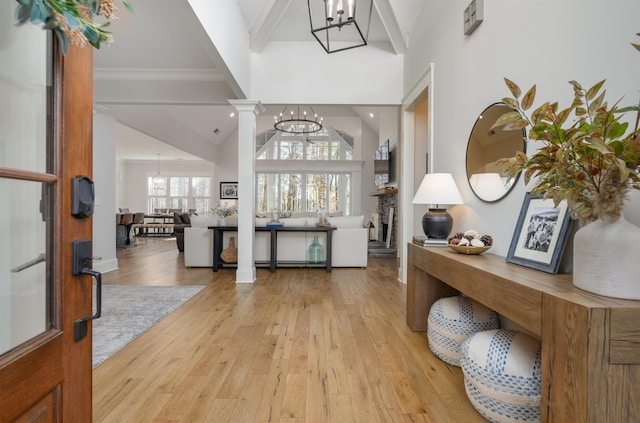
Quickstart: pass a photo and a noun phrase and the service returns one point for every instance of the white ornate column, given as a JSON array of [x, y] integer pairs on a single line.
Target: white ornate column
[[248, 110]]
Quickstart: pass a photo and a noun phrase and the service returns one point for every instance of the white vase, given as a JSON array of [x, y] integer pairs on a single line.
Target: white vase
[[606, 257], [222, 221]]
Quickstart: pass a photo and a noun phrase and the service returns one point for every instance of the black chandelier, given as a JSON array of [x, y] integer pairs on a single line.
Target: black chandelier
[[338, 24], [297, 123]]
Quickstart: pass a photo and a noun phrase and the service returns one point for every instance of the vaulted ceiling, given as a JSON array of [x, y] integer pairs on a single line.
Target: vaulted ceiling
[[163, 77]]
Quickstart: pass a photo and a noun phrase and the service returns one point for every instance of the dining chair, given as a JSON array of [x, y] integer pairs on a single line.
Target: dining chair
[[122, 230], [138, 229]]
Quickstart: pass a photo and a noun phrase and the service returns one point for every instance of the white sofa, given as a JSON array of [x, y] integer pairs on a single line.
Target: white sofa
[[198, 242], [349, 246]]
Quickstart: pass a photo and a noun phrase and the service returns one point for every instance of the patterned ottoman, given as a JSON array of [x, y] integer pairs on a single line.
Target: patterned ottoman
[[451, 320], [502, 375]]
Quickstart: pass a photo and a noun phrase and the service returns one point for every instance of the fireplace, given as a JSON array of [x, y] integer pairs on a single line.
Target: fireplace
[[387, 223], [388, 212]]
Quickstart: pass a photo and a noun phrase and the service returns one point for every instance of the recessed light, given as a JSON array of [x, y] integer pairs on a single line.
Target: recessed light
[[232, 114], [370, 114]]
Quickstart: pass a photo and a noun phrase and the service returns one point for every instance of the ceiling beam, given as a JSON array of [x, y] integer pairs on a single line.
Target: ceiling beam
[[265, 25], [390, 22]]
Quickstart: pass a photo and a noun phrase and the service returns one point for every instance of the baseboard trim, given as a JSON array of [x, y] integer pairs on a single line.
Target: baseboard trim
[[246, 275], [105, 266]]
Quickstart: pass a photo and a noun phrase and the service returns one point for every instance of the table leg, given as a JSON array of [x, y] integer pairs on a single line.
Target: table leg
[[217, 248], [274, 250], [329, 243]]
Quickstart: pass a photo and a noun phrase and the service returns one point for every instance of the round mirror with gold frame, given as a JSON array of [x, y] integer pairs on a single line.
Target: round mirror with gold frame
[[486, 146]]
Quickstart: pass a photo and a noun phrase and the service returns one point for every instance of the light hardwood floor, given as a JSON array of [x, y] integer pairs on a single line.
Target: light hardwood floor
[[298, 345]]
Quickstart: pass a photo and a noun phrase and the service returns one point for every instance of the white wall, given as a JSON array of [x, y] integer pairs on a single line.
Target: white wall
[[105, 179], [223, 22], [388, 128], [227, 163], [528, 41], [302, 73], [369, 145], [121, 188]]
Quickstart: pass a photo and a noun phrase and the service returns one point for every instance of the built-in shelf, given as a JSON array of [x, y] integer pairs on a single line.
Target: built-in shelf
[[384, 191]]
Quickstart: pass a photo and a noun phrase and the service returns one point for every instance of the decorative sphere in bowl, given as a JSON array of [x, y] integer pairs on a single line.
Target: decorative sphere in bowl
[[469, 249], [470, 242]]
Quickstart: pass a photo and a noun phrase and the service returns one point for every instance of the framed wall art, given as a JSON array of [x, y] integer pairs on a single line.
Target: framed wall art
[[540, 234], [228, 190]]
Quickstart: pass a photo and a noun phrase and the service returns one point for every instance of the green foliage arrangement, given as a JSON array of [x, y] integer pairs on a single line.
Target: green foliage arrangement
[[221, 210], [72, 21], [592, 161]]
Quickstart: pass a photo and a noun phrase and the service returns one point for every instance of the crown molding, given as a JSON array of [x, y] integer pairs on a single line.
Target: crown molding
[[151, 74]]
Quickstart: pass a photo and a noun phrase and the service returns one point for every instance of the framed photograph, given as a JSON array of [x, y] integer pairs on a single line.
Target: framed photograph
[[228, 190], [540, 235]]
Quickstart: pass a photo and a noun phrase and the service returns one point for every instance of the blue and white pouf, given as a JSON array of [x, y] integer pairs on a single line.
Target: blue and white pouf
[[450, 322], [502, 375]]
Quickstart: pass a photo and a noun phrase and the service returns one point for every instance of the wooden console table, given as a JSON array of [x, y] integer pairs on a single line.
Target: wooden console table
[[218, 232], [590, 343]]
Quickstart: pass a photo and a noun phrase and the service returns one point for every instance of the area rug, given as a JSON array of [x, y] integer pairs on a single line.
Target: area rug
[[128, 311]]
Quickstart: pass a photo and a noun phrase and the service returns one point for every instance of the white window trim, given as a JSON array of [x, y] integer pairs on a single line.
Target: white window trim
[[190, 197]]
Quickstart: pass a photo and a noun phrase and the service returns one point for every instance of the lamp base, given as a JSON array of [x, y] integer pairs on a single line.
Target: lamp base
[[437, 223]]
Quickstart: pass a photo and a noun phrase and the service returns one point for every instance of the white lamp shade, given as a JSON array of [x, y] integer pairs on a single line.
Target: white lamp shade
[[488, 186], [438, 188]]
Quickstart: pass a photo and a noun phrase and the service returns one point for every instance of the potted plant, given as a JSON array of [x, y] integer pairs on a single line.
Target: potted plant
[[223, 211], [591, 159], [73, 22]]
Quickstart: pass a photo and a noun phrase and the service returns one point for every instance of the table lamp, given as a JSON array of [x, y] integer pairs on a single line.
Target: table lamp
[[437, 189]]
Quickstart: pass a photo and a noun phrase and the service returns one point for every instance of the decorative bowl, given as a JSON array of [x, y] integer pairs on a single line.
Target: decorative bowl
[[468, 249]]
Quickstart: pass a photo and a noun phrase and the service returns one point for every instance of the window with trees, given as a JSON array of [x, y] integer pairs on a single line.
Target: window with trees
[[179, 192], [303, 192], [305, 175], [326, 144]]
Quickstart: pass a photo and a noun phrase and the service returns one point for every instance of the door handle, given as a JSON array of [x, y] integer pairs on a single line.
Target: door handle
[[42, 257], [82, 259], [81, 327]]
